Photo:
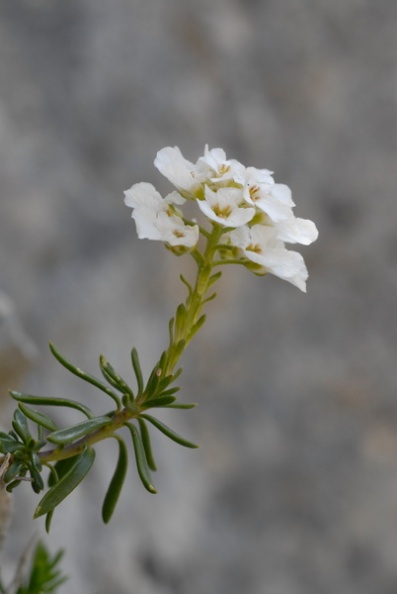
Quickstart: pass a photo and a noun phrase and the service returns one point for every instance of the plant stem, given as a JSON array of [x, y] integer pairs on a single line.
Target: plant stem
[[61, 453], [194, 301]]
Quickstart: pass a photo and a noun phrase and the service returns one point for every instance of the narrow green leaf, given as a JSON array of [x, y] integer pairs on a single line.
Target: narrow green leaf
[[161, 401], [147, 446], [137, 369], [11, 486], [12, 471], [177, 374], [180, 347], [163, 383], [214, 278], [20, 425], [155, 376], [113, 377], [5, 436], [127, 401], [169, 392], [197, 326], [37, 417], [183, 406], [168, 432], [116, 483], [48, 401], [48, 520], [8, 444], [76, 431], [35, 461], [180, 321], [67, 483], [60, 468], [187, 284], [171, 330], [85, 376], [210, 298], [37, 482], [141, 462]]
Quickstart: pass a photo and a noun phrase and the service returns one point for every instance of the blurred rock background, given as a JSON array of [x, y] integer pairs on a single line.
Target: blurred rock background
[[294, 489]]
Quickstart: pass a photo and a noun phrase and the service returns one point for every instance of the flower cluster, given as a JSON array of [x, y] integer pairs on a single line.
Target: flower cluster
[[254, 212]]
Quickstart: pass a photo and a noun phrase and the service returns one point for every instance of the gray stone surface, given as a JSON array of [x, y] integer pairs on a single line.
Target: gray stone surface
[[294, 488]]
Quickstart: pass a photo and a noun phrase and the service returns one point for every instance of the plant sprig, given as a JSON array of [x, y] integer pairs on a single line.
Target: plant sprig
[[37, 443]]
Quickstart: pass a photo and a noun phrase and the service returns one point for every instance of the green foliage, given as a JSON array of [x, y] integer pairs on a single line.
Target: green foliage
[[70, 434], [37, 444], [141, 459], [71, 454], [116, 484], [44, 575], [66, 483]]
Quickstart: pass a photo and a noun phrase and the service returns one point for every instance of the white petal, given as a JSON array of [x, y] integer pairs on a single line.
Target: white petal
[[146, 223], [282, 193], [276, 210], [285, 264], [265, 236], [173, 165], [261, 176], [239, 217], [240, 237], [294, 230], [143, 194], [174, 198], [213, 157], [271, 254]]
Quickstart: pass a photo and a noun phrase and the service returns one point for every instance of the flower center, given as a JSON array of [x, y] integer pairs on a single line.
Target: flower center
[[254, 193], [223, 169], [222, 211], [256, 248]]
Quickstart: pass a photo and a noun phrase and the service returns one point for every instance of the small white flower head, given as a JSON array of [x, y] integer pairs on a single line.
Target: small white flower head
[[158, 218], [226, 207], [260, 245], [273, 199], [218, 169], [252, 212], [174, 231]]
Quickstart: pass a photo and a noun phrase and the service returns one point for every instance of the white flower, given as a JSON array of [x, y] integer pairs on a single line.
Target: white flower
[[273, 199], [219, 169], [261, 245], [226, 207], [253, 213], [174, 231], [183, 174], [260, 176], [157, 218]]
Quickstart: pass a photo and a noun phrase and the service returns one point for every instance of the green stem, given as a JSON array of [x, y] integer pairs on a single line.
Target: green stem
[[61, 453], [195, 300]]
